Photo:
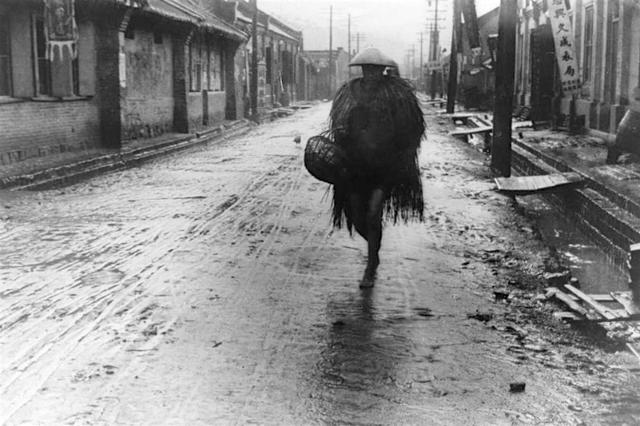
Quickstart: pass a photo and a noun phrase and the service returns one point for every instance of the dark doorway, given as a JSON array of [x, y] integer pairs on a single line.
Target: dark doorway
[[543, 73]]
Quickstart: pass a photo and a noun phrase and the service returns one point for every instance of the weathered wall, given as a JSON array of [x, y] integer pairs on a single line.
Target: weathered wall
[[33, 128], [194, 111], [147, 100], [215, 109]]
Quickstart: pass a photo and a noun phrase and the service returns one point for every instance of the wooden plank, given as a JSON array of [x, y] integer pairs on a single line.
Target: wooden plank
[[603, 297], [520, 124], [522, 185], [624, 298], [470, 131], [633, 350], [572, 304], [599, 308]]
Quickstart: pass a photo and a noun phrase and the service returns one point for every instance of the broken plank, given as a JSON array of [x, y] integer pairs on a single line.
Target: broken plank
[[624, 298], [572, 304], [599, 307], [633, 350], [522, 185]]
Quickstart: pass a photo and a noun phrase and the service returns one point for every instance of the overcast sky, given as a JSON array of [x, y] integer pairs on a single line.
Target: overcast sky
[[393, 26]]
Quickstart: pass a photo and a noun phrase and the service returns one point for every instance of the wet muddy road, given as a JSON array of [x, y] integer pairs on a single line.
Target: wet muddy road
[[208, 288]]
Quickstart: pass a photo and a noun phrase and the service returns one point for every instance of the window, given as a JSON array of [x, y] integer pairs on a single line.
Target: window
[[42, 65], [55, 78], [195, 66], [216, 70], [157, 36], [588, 43], [268, 59], [5, 56], [206, 67]]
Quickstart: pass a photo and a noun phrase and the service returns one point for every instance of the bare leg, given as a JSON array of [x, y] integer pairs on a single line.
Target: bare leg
[[358, 213], [374, 236]]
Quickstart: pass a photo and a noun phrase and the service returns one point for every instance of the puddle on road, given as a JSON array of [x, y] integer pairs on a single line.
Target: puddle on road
[[588, 263]]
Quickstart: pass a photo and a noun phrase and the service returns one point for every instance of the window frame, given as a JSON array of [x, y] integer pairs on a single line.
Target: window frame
[[587, 43], [195, 66], [613, 35], [36, 21], [5, 23]]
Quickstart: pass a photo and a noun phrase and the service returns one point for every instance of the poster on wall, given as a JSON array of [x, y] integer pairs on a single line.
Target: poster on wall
[[564, 42], [60, 28]]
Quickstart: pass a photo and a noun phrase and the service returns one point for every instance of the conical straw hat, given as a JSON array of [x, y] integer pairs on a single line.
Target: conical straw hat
[[371, 56]]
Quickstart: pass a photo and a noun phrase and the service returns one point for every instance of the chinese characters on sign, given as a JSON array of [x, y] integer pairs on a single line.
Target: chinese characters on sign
[[563, 40], [60, 28]]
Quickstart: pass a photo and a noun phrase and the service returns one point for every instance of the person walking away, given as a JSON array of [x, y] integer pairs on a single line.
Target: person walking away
[[377, 120]]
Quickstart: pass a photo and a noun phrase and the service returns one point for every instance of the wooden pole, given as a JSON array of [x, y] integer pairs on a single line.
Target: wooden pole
[[634, 272], [253, 83], [330, 94], [349, 45], [421, 75], [452, 87], [503, 108]]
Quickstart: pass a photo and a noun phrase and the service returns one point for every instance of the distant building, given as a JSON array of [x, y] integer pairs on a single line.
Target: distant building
[[279, 49], [319, 84], [96, 73]]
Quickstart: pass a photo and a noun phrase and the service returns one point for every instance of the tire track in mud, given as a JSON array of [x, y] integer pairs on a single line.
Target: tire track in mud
[[69, 320], [34, 362]]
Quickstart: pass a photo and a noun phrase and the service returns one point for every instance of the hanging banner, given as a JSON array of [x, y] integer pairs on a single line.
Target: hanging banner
[[60, 28], [563, 42]]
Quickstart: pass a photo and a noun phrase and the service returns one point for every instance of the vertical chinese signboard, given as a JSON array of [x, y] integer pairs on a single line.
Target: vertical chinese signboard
[[60, 28], [563, 40]]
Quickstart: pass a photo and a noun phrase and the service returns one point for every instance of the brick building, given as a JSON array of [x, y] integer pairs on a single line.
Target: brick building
[[94, 73], [605, 39], [279, 53]]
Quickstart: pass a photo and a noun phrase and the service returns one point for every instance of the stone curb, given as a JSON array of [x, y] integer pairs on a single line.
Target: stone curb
[[595, 207], [71, 173]]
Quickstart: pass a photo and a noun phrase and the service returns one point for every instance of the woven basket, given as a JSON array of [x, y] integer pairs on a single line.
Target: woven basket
[[325, 160]]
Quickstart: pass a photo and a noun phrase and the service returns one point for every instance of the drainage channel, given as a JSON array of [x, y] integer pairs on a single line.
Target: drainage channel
[[588, 263]]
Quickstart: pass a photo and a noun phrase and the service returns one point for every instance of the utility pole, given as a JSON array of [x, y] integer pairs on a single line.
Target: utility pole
[[253, 83], [330, 52], [421, 76], [452, 87], [413, 60], [503, 108], [435, 42], [349, 44]]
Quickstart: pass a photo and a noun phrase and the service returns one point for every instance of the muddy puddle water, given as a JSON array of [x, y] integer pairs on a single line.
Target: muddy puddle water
[[588, 263]]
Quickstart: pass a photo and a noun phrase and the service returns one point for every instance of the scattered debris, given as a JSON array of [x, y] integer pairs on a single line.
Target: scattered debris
[[500, 294], [517, 387], [481, 316], [557, 279], [620, 321]]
